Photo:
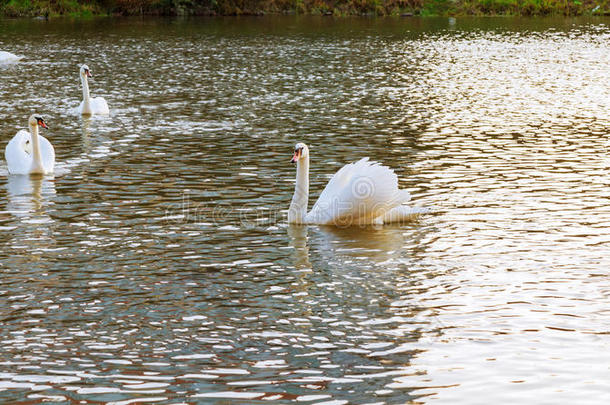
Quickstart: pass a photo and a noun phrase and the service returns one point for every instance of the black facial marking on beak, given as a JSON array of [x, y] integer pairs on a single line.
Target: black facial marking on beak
[[297, 155], [41, 122]]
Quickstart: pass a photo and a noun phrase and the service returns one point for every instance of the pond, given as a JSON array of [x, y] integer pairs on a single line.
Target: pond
[[156, 264]]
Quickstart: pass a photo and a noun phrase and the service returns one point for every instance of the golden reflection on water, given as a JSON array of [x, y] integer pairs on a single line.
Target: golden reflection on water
[[298, 241], [156, 263]]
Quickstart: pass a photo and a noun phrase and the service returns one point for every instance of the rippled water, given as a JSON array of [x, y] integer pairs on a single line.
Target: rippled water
[[156, 265]]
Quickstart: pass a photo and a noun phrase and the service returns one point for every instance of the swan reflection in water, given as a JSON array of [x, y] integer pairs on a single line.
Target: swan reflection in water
[[86, 133], [298, 241], [375, 245], [29, 196], [29, 199]]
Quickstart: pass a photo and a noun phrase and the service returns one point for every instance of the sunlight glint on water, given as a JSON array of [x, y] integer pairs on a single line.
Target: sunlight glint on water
[[156, 263]]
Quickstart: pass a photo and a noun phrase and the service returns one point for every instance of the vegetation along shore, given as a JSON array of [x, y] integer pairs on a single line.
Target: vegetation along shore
[[52, 8]]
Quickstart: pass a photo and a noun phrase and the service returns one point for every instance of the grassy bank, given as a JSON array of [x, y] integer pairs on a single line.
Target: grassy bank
[[51, 8]]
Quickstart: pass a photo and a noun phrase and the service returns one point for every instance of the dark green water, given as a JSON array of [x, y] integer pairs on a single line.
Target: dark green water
[[156, 265]]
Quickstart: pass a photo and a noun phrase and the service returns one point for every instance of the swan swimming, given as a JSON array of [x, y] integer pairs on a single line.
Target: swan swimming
[[7, 57], [28, 152], [90, 106], [360, 193]]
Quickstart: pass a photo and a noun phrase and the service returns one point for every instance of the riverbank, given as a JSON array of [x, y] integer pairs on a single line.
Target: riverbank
[[81, 8]]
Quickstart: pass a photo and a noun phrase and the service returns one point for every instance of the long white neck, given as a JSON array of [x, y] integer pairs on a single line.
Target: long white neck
[[86, 97], [298, 205], [37, 158]]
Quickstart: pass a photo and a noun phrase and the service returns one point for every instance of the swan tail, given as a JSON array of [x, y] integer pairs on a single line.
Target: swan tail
[[401, 213], [403, 196]]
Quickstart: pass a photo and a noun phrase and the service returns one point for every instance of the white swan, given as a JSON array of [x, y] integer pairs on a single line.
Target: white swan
[[7, 57], [29, 152], [90, 106], [360, 193]]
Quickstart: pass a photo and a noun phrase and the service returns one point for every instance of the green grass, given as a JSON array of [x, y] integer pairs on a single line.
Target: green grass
[[22, 8], [88, 8], [532, 7]]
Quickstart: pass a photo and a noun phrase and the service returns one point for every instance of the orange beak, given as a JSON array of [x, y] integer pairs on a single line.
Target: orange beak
[[43, 124], [88, 73]]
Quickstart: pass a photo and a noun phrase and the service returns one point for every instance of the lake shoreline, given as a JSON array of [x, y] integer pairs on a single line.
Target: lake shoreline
[[368, 8]]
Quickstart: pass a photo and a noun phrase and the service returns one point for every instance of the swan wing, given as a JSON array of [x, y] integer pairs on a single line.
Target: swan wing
[[47, 153], [18, 153], [99, 106], [358, 193]]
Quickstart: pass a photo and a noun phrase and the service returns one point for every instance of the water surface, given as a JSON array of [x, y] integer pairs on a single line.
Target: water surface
[[156, 264]]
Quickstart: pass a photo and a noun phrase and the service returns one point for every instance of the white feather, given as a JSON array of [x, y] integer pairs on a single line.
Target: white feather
[[360, 193], [7, 57], [98, 106], [90, 105], [19, 157]]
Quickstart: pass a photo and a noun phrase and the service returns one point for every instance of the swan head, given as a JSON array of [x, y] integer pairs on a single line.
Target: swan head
[[36, 119], [85, 71], [301, 151]]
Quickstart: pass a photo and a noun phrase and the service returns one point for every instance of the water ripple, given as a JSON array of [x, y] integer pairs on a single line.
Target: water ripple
[[156, 264]]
